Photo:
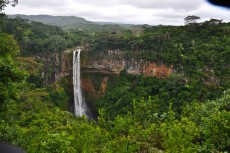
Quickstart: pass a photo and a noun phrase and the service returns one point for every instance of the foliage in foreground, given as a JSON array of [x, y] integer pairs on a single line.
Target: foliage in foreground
[[31, 121], [37, 126]]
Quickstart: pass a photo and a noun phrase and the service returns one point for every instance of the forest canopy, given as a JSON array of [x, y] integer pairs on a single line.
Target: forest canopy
[[185, 112]]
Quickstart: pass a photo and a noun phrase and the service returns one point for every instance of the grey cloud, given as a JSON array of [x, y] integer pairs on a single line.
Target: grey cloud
[[171, 13], [128, 11], [44, 3], [99, 3], [174, 4], [150, 4]]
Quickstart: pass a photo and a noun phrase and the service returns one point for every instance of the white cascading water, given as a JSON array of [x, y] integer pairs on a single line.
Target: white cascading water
[[79, 106]]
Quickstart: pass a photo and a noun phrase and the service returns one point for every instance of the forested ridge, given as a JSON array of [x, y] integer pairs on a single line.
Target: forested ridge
[[187, 112]]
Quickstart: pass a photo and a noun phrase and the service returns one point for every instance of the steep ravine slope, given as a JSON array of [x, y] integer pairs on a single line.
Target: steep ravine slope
[[97, 71], [114, 62]]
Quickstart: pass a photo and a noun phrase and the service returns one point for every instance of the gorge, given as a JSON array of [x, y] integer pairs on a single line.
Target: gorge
[[165, 89], [112, 63]]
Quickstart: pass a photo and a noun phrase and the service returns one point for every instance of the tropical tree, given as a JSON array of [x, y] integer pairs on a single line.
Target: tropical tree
[[3, 3], [191, 19]]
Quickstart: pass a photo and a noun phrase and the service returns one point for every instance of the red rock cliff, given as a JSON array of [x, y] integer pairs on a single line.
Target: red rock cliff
[[115, 62]]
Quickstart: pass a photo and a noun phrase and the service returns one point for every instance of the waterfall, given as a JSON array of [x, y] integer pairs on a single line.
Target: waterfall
[[79, 104]]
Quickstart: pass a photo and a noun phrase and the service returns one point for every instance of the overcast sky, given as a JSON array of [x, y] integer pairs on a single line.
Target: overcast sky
[[153, 12]]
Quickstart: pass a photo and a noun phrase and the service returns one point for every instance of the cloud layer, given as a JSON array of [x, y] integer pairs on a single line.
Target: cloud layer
[[154, 12]]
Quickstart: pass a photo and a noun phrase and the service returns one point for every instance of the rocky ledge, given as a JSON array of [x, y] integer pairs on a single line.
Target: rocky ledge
[[114, 62]]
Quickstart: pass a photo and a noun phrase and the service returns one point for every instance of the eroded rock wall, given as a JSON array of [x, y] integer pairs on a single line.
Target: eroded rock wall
[[116, 61]]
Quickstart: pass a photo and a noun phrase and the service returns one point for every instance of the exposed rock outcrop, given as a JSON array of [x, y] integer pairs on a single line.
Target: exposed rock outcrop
[[115, 62], [89, 87], [58, 65], [51, 66]]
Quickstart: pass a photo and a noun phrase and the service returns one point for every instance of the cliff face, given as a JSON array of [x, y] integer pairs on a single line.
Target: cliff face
[[89, 87], [115, 62], [58, 65], [94, 71], [55, 66], [139, 67], [50, 68]]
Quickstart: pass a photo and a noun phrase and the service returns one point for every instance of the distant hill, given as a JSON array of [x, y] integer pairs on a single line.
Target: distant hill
[[72, 22], [61, 21]]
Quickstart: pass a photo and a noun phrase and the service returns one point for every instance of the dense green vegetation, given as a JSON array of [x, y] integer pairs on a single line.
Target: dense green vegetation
[[34, 37], [187, 112], [72, 22], [199, 52]]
